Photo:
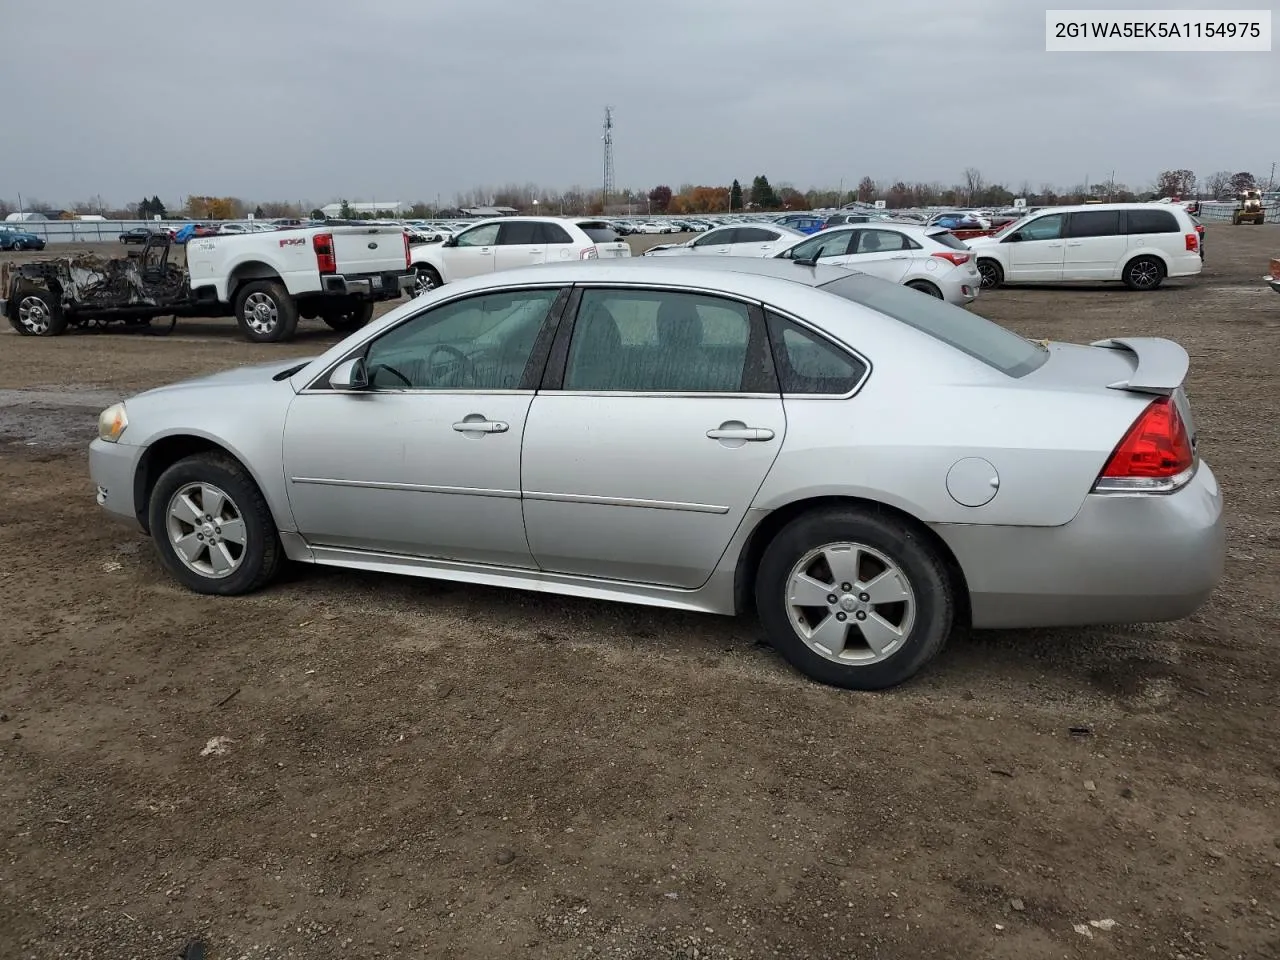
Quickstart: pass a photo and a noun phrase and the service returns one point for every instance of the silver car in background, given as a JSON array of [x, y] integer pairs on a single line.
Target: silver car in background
[[864, 467], [928, 259]]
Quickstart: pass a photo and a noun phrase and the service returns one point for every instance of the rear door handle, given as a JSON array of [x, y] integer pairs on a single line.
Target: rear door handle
[[1075, 243], [481, 426], [901, 256], [741, 433]]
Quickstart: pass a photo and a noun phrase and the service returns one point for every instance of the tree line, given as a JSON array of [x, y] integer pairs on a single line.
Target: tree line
[[973, 190]]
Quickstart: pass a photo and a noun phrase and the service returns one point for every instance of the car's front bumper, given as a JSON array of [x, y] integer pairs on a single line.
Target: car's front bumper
[[1273, 281], [1122, 559], [113, 467]]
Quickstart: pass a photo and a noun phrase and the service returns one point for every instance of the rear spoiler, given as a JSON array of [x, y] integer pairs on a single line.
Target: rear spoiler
[[1161, 364]]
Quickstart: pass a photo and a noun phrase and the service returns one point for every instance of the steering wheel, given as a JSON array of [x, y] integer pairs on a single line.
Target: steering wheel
[[452, 351]]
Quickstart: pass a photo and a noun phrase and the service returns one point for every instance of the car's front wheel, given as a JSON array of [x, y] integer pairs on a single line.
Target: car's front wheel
[[425, 279], [212, 526], [854, 598], [992, 275]]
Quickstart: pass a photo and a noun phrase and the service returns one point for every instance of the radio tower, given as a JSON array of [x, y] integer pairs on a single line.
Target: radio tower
[[608, 159]]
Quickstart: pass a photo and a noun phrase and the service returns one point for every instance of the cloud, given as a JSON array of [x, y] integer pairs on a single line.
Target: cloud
[[410, 99]]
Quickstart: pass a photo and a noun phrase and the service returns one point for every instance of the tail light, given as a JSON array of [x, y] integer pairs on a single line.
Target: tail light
[[588, 253], [322, 244], [1155, 456], [957, 258], [408, 257], [1193, 241]]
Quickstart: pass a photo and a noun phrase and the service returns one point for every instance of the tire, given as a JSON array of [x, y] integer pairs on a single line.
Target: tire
[[924, 286], [350, 317], [265, 312], [885, 545], [992, 273], [426, 278], [1143, 273], [19, 245], [37, 313], [199, 480]]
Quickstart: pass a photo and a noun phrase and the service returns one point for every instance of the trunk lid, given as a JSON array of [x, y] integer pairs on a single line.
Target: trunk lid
[[1142, 368]]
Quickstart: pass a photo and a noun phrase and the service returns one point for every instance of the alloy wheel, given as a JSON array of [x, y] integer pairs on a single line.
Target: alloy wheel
[[261, 313], [850, 603], [206, 530]]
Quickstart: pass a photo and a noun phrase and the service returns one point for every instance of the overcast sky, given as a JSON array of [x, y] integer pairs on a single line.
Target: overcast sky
[[410, 99]]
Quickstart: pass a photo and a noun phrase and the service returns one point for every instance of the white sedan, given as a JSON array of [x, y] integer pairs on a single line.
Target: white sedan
[[733, 240], [928, 259]]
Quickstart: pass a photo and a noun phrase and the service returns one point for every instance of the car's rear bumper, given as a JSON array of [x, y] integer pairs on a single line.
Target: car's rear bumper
[[1274, 282], [375, 286], [113, 467], [1189, 264], [1122, 559]]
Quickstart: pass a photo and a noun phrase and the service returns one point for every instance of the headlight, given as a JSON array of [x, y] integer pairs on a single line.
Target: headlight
[[112, 422]]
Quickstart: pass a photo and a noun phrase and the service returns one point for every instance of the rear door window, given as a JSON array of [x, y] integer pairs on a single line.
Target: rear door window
[[1152, 221], [1094, 223], [810, 365], [753, 235], [518, 232], [554, 233]]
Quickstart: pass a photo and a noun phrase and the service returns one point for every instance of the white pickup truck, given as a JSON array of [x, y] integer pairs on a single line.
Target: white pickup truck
[[266, 280], [269, 279]]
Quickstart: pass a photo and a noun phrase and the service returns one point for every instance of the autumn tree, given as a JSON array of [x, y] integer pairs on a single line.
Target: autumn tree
[[660, 198], [1240, 182], [735, 196], [899, 195], [866, 189], [792, 199], [1175, 183]]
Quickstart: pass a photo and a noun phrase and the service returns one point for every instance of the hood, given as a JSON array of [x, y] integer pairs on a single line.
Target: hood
[[254, 373]]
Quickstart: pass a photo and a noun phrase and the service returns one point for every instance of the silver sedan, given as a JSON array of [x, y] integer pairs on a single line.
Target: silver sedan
[[864, 466]]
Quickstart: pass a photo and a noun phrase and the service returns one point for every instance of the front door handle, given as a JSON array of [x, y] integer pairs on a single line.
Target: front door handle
[[1075, 243], [901, 256], [740, 433], [476, 423]]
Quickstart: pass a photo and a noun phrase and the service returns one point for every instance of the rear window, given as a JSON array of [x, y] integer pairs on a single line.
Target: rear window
[[969, 333], [600, 232], [948, 239]]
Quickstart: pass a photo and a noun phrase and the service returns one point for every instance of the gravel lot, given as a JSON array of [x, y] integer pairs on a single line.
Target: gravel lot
[[429, 769]]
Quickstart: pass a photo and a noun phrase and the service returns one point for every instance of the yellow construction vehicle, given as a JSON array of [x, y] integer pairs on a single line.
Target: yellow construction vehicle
[[1249, 208]]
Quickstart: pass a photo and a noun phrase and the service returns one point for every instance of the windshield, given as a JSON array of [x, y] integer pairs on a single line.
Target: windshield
[[969, 333]]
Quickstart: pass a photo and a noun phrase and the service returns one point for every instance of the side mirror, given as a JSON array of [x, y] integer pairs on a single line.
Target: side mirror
[[350, 375], [451, 242], [1013, 238]]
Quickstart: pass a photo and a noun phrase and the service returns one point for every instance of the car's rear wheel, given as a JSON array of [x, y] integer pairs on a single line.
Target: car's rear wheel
[[38, 313], [425, 279], [854, 598], [265, 312], [924, 286], [991, 273], [1143, 273], [348, 317], [212, 526]]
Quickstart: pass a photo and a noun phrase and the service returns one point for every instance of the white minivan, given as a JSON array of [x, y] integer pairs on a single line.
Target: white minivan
[[1137, 243]]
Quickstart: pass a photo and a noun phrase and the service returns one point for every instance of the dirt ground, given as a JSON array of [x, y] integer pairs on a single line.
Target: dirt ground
[[426, 769]]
